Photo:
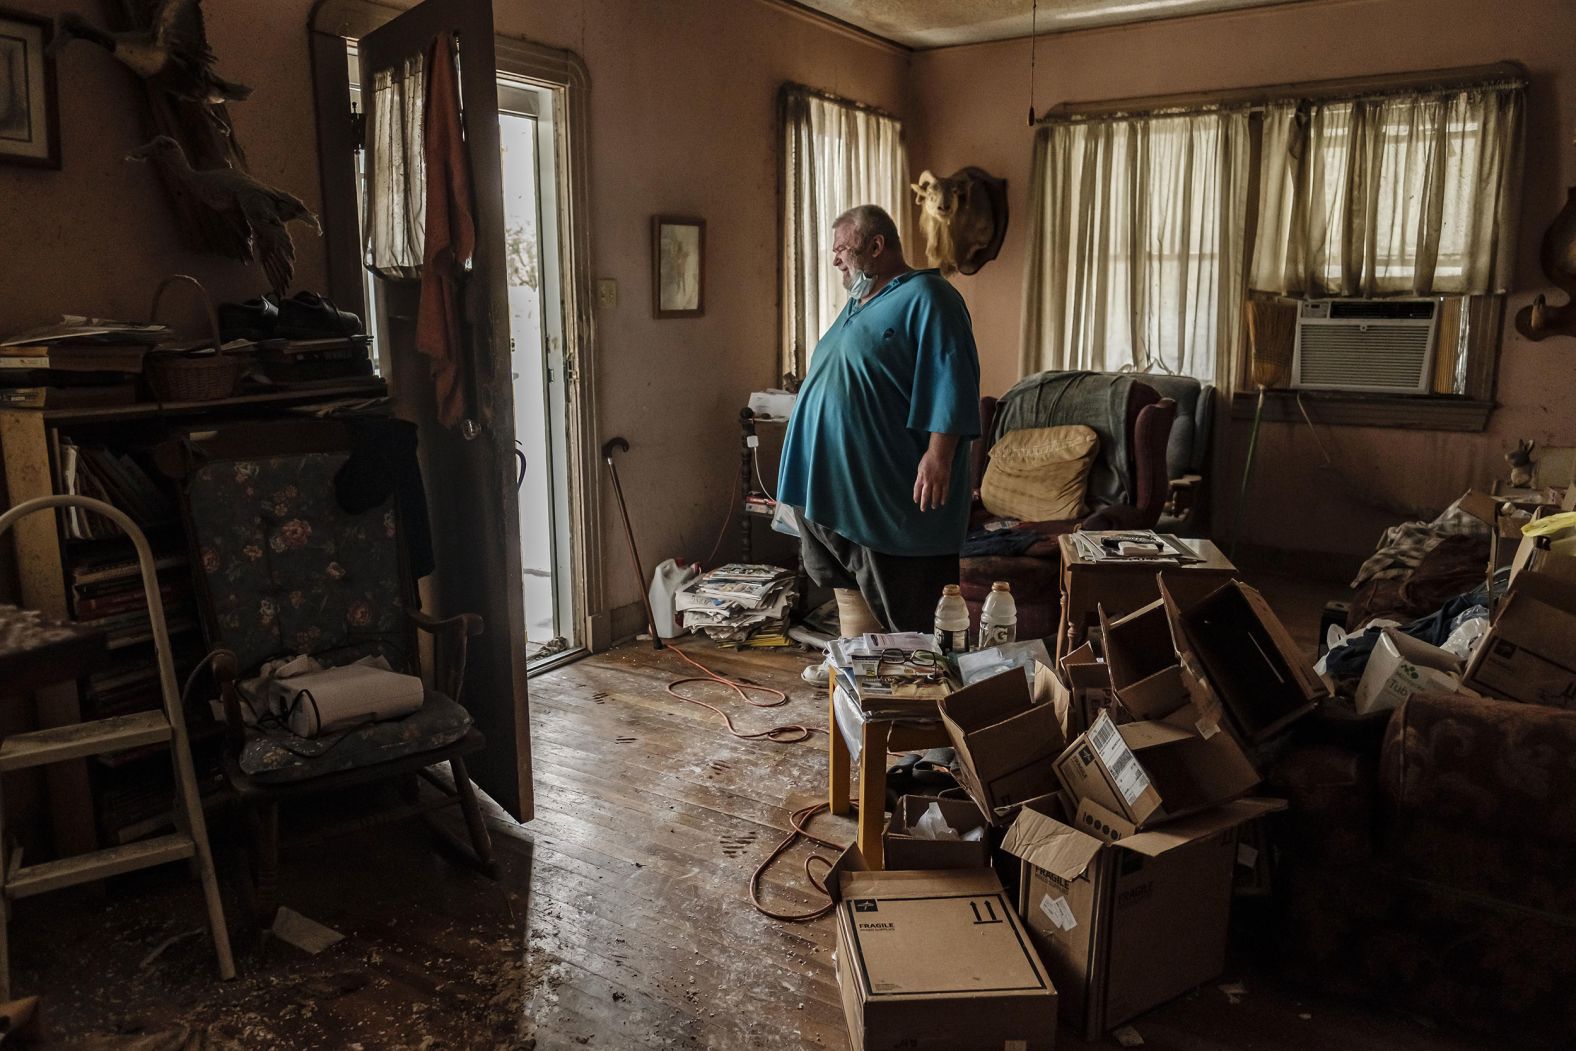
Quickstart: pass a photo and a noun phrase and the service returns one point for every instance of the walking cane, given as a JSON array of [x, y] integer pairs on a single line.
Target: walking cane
[[634, 554]]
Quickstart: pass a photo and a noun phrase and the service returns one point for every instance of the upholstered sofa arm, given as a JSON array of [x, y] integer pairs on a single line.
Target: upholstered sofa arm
[[1504, 769]]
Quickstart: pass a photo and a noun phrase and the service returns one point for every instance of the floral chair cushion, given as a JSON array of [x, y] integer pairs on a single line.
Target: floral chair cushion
[[289, 571], [277, 756]]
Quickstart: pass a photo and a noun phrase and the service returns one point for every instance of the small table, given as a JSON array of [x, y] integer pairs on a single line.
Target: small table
[[1122, 587]]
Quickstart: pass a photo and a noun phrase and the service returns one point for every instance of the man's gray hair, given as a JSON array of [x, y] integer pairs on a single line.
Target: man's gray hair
[[869, 220]]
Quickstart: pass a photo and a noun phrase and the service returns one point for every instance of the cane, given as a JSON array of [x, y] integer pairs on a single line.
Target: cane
[[634, 554]]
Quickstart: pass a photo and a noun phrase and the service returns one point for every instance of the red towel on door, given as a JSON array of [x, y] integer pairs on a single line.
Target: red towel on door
[[450, 232]]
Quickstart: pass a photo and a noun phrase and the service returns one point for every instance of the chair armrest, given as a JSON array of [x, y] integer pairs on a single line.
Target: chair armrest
[[450, 638], [225, 674]]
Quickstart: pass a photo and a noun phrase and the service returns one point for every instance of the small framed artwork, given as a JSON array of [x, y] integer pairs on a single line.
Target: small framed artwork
[[678, 267], [29, 124]]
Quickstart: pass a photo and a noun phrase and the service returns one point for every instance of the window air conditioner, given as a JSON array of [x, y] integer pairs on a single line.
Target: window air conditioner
[[1365, 345]]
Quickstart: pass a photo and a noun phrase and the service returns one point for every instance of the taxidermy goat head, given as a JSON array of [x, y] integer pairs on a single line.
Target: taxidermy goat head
[[963, 217], [1520, 460]]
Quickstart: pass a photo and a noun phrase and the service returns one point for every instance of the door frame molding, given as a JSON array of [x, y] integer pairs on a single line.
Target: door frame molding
[[565, 74]]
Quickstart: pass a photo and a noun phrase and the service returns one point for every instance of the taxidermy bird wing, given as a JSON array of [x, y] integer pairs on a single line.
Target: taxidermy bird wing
[[267, 211], [179, 30]]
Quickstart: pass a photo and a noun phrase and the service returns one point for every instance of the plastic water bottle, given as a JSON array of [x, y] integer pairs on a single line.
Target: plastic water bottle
[[998, 617], [952, 621]]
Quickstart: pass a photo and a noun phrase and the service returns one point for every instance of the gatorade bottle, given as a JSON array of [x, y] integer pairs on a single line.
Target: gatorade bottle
[[998, 617], [952, 621]]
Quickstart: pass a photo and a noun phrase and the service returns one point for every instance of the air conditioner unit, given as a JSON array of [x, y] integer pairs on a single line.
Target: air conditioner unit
[[1365, 345]]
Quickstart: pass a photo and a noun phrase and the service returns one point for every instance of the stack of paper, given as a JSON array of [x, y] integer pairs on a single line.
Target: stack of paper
[[738, 604], [890, 667]]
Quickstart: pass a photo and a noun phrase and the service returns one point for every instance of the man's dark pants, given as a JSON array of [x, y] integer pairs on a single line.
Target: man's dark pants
[[902, 590]]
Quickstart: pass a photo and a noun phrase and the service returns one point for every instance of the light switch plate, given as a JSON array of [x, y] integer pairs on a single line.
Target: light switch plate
[[607, 292]]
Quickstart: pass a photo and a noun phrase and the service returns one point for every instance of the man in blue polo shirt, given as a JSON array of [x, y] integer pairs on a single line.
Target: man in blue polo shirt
[[876, 460]]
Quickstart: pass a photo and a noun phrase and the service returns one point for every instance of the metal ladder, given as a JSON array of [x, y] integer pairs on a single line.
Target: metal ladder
[[104, 736]]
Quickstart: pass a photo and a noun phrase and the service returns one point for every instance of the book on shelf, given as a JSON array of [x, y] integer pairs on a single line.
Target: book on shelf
[[89, 575], [114, 478], [112, 395], [121, 358], [75, 328], [128, 600]]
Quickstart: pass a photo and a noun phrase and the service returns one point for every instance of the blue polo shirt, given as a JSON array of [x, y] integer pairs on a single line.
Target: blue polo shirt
[[883, 378]]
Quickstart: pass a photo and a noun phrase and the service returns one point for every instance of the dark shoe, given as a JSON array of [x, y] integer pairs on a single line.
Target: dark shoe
[[255, 319], [307, 315]]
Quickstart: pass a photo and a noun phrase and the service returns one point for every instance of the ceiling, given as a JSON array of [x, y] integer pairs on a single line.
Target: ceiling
[[940, 23]]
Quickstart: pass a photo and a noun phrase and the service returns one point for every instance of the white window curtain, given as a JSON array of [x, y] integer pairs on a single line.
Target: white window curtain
[[837, 154], [1404, 194], [1136, 244], [397, 195]]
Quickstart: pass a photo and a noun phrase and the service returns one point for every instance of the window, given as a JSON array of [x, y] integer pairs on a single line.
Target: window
[[836, 154], [1136, 243], [1400, 190]]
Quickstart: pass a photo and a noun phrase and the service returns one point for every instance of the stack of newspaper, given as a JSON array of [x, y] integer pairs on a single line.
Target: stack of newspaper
[[901, 666], [739, 604]]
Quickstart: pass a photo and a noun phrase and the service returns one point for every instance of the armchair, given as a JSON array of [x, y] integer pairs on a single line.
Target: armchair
[[1128, 483], [283, 568]]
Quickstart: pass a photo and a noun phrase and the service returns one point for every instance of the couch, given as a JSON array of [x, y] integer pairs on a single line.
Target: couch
[[1128, 483], [1427, 867]]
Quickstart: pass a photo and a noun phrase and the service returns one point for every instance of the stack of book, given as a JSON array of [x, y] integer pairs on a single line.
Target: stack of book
[[115, 478], [75, 363], [294, 362], [737, 604], [108, 593]]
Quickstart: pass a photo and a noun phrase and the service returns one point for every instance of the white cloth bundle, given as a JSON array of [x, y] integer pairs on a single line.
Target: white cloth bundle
[[321, 701]]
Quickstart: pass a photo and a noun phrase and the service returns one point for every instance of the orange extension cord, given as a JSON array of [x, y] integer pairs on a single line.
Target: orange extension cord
[[789, 733]]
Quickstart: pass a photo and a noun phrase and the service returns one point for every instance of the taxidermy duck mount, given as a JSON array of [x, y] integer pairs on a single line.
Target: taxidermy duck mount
[[1557, 256], [164, 43], [256, 213]]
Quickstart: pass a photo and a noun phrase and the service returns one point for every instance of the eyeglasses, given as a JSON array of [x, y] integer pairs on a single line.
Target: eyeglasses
[[922, 664]]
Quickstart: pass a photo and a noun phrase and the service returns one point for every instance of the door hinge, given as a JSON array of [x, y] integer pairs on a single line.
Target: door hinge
[[358, 128]]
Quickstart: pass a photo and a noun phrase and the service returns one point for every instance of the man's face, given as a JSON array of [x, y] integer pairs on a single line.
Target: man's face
[[848, 255]]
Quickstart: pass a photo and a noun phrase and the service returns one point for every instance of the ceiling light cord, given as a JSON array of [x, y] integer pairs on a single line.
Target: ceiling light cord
[[1034, 28]]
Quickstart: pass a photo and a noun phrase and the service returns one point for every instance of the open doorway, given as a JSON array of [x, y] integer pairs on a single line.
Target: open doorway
[[532, 185], [534, 190]]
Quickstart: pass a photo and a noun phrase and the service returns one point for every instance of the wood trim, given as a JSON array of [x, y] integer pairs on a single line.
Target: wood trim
[[1255, 97], [336, 139], [1338, 409], [837, 25], [790, 87]]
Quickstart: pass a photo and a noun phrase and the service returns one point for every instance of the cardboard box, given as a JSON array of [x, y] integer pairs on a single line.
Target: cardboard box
[[1529, 654], [1007, 738], [1232, 641], [1088, 684], [1147, 772], [1141, 662], [1127, 925], [903, 850], [937, 961]]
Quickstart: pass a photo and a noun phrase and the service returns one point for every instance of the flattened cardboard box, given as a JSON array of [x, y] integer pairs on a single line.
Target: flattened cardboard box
[[1529, 654], [1125, 926], [903, 850], [1146, 772], [1007, 739], [937, 961]]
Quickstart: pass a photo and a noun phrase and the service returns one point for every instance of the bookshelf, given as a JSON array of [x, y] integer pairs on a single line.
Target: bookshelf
[[80, 570]]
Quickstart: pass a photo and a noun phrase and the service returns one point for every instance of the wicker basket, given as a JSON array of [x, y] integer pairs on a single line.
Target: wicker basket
[[183, 376]]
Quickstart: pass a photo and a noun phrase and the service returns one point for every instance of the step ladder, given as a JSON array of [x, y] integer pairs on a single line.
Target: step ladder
[[102, 737]]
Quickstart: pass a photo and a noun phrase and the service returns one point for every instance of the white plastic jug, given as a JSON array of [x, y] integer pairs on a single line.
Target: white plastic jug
[[666, 583]]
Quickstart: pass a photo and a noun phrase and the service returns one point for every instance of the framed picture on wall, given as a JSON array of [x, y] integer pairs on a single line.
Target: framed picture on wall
[[678, 267], [29, 124]]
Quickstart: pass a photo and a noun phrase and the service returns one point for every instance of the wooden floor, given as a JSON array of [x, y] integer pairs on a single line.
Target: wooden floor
[[621, 919]]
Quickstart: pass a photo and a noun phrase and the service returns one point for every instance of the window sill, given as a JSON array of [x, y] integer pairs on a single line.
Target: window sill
[[1437, 412]]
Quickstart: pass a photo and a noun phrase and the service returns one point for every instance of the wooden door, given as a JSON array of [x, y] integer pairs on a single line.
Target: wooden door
[[469, 469]]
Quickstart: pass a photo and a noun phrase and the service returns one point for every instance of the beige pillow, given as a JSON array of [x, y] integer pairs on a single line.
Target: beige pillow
[[1039, 474]]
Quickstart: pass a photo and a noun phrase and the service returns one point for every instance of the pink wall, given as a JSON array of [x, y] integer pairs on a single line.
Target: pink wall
[[683, 120], [972, 103]]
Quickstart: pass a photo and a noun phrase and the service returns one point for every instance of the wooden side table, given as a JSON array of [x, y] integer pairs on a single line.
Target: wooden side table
[[1122, 587]]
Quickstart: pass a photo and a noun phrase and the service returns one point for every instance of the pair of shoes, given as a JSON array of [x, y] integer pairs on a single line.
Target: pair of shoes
[[817, 674], [305, 315], [255, 320]]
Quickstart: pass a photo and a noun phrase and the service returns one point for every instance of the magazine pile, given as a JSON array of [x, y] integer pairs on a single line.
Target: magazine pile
[[739, 605]]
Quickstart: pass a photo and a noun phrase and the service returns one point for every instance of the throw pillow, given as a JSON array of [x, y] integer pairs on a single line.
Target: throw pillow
[[1039, 474]]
